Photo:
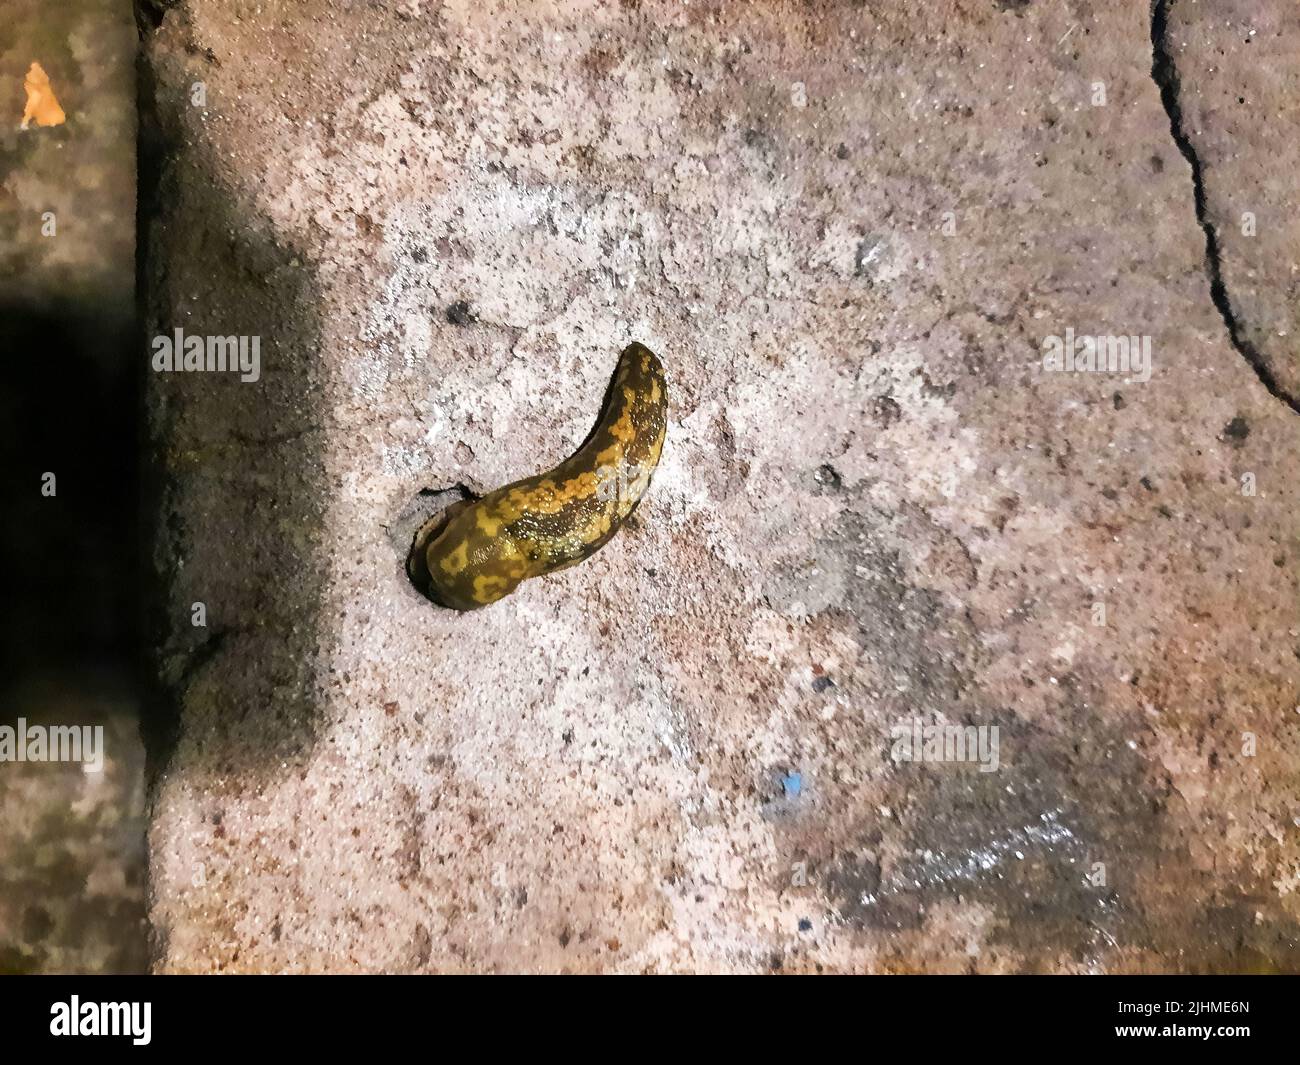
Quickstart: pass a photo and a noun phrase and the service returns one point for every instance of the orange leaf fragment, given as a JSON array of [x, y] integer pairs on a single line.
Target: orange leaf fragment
[[42, 104]]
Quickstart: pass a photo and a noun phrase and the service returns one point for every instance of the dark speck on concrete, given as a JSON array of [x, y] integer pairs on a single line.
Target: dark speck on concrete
[[460, 313], [1237, 430], [828, 477], [805, 925], [887, 410], [820, 684]]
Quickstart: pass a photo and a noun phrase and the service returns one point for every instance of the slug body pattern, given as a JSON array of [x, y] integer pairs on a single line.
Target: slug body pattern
[[544, 523]]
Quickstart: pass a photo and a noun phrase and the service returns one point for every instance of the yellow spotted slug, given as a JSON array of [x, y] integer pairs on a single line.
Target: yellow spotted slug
[[480, 550]]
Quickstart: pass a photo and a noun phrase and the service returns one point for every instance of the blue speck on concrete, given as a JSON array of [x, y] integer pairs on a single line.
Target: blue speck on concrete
[[805, 925], [793, 784]]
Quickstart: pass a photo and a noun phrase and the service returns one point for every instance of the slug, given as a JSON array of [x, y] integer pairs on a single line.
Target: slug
[[481, 550]]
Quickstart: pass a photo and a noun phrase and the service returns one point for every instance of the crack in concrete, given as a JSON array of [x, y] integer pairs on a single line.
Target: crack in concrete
[[1165, 74]]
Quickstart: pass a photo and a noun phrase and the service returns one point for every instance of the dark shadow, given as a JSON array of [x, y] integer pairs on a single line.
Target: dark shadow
[[71, 596], [234, 488]]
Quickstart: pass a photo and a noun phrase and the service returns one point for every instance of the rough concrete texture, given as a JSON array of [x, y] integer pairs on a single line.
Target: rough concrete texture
[[82, 171], [72, 861], [72, 891], [847, 229], [1238, 86]]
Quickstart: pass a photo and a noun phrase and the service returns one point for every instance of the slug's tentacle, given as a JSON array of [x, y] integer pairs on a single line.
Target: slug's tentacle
[[544, 523]]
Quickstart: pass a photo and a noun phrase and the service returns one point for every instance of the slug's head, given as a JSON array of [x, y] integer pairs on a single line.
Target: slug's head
[[468, 568]]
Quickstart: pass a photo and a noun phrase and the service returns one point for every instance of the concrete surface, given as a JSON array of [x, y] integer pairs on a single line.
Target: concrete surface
[[83, 172], [1237, 93], [72, 874], [848, 231], [72, 859]]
